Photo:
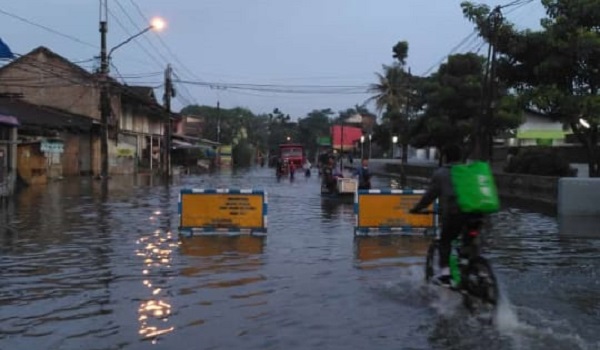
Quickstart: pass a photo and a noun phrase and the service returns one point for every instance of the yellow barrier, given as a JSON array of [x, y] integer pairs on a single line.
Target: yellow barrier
[[223, 210], [388, 210]]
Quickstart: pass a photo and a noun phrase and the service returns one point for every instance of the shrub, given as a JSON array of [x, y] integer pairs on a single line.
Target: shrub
[[543, 162]]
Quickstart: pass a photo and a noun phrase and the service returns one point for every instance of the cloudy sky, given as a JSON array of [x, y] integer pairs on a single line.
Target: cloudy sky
[[246, 44]]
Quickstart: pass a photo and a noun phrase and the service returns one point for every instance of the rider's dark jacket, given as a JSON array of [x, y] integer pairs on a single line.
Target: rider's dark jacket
[[441, 186]]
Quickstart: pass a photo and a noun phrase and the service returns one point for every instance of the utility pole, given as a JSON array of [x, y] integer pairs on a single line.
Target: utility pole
[[483, 134], [169, 93], [404, 133], [342, 147], [104, 99], [496, 19], [218, 121]]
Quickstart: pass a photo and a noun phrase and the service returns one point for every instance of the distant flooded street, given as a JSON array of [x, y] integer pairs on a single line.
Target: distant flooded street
[[80, 271]]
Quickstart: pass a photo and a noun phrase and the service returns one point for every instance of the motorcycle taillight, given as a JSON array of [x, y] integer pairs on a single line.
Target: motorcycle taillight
[[473, 233]]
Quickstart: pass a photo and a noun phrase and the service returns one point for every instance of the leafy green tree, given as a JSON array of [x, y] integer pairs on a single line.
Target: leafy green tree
[[316, 124], [452, 100], [556, 70], [239, 127], [280, 127], [392, 93]]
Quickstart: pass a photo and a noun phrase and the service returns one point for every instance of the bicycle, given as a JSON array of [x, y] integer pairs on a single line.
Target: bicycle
[[471, 274]]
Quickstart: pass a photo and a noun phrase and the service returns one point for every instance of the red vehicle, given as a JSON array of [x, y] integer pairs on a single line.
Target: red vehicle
[[293, 153]]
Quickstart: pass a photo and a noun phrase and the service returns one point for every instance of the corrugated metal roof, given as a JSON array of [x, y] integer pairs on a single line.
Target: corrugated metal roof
[[46, 117]]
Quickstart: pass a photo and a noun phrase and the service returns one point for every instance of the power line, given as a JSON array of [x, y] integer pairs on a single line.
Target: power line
[[54, 31], [185, 89], [452, 51]]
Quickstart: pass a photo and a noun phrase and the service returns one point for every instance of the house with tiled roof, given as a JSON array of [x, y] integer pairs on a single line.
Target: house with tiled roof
[[57, 95]]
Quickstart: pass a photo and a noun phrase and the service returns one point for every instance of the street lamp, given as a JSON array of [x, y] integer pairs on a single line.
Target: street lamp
[[584, 123], [370, 142], [156, 24], [362, 143], [394, 141]]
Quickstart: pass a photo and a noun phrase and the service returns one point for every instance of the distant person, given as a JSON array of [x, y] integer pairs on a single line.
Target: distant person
[[329, 180], [364, 175], [306, 168], [292, 169], [278, 168], [323, 160]]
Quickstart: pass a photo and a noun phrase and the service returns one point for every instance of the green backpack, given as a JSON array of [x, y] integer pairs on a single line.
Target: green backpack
[[475, 187]]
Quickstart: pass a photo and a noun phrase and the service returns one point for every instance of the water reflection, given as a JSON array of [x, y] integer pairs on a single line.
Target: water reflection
[[390, 246], [380, 251], [222, 254], [335, 207], [211, 245], [156, 250]]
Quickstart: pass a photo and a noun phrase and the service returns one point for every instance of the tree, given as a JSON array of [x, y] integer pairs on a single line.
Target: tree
[[452, 99], [280, 128], [316, 124], [556, 70], [239, 128], [392, 92]]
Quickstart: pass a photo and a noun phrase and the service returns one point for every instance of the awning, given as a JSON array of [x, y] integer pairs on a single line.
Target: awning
[[542, 134], [9, 120]]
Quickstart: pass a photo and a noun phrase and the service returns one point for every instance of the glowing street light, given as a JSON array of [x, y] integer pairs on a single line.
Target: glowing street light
[[362, 143], [394, 141], [158, 24], [584, 123]]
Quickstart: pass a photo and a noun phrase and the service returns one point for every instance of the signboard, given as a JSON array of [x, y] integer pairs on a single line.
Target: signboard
[[125, 152], [52, 147], [388, 210], [222, 210]]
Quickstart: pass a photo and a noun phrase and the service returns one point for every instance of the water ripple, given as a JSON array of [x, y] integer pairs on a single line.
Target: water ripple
[[80, 270]]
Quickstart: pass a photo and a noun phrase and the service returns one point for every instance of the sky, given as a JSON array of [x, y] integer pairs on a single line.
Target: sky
[[215, 44]]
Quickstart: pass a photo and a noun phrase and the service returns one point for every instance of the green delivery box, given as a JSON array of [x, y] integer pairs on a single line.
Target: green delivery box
[[475, 187]]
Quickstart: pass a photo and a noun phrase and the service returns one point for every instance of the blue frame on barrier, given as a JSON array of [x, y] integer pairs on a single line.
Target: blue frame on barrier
[[406, 229], [188, 230]]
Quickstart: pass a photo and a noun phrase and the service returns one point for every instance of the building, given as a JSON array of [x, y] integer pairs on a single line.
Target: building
[[8, 154], [539, 130], [136, 123], [52, 143]]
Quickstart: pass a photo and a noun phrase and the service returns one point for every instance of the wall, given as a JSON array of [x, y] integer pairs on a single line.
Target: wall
[[52, 82], [70, 156], [540, 189], [8, 160], [571, 153], [579, 197], [535, 122]]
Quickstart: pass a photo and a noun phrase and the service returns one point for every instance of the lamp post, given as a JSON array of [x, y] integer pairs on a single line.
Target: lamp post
[[362, 149], [394, 141], [157, 24], [370, 143], [584, 123]]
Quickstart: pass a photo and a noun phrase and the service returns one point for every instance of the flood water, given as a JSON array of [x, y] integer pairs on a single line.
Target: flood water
[[84, 271]]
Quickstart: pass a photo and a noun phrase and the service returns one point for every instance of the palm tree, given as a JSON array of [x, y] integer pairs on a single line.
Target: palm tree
[[391, 93]]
